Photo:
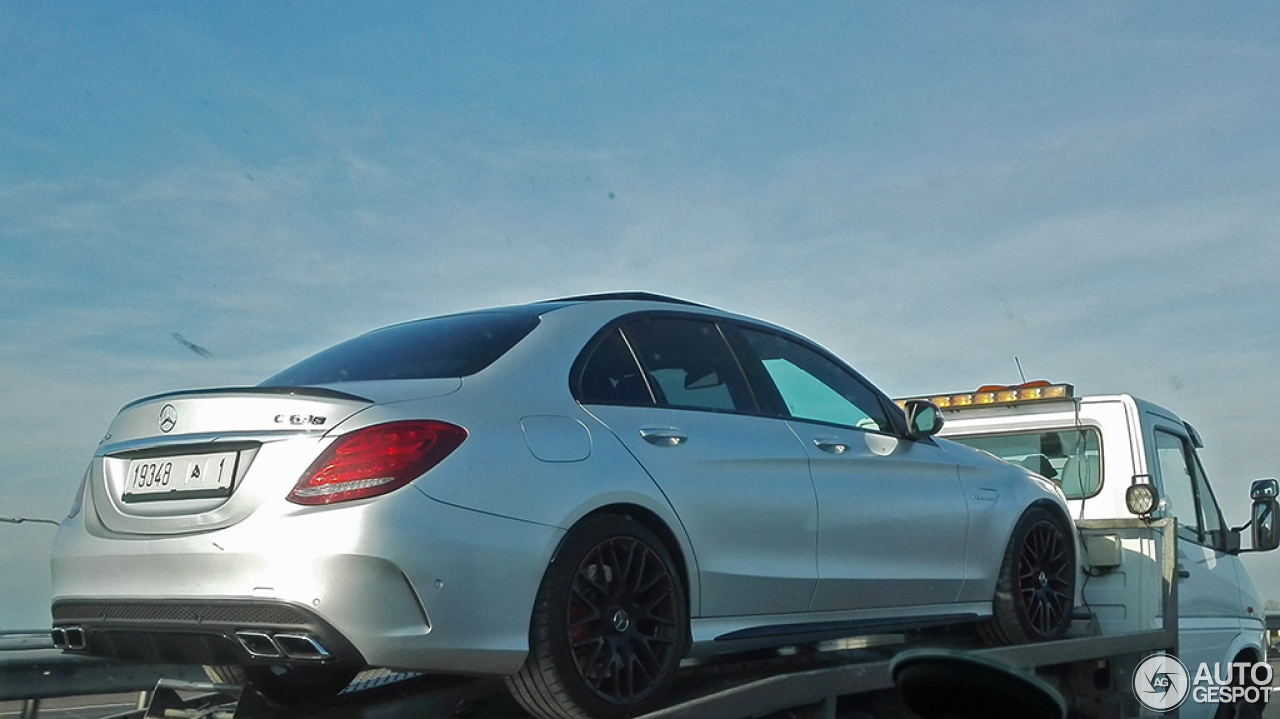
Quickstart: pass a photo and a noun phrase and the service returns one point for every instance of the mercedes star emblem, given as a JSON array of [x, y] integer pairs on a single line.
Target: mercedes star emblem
[[168, 418]]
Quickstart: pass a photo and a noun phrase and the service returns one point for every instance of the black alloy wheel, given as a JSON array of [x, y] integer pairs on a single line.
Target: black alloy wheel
[[1046, 578], [621, 619], [610, 625], [1035, 590]]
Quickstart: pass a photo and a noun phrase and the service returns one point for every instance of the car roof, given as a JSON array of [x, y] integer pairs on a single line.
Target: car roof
[[633, 296]]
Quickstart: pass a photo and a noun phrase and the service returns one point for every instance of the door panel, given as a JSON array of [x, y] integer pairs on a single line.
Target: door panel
[[672, 390], [892, 520], [741, 487]]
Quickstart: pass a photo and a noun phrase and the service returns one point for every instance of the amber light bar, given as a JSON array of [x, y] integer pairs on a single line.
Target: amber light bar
[[989, 395]]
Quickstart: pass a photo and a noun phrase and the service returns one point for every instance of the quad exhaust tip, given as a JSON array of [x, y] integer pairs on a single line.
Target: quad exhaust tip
[[68, 638], [263, 645], [301, 646]]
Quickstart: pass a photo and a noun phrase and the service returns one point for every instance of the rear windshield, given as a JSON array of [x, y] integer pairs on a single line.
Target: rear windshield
[[452, 346], [1072, 458]]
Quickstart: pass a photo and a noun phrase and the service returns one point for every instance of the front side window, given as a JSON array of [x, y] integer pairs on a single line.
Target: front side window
[[689, 365], [1072, 458], [1177, 494], [813, 387]]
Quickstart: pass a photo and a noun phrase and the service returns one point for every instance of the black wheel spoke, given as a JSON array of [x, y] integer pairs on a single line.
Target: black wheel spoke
[[585, 572], [587, 641], [624, 576], [650, 605], [640, 570]]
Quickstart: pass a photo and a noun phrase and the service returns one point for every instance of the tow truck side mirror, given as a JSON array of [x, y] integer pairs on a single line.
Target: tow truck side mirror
[[924, 419], [1266, 533]]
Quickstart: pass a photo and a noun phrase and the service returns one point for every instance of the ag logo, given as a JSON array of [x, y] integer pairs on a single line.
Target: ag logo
[[1161, 683], [168, 418]]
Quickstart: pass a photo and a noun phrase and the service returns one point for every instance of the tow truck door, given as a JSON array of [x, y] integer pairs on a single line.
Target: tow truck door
[[1209, 601]]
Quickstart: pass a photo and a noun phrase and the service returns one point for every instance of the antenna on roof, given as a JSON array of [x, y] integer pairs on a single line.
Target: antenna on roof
[[1019, 363]]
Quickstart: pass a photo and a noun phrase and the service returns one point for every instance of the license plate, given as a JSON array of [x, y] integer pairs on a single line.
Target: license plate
[[185, 476]]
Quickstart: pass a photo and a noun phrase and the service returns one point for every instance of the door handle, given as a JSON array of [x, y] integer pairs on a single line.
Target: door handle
[[831, 445], [663, 436], [1183, 573]]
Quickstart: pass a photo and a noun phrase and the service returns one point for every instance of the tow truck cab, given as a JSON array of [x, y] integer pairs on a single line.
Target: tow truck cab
[[1098, 447]]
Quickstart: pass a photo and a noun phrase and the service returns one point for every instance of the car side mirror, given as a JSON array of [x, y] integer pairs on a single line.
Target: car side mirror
[[924, 419], [1266, 533]]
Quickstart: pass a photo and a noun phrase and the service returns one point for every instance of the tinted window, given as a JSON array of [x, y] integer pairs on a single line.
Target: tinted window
[[1071, 457], [813, 387], [453, 346], [611, 375], [689, 364]]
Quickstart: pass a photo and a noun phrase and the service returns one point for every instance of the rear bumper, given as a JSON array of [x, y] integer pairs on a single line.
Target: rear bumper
[[401, 582], [205, 632]]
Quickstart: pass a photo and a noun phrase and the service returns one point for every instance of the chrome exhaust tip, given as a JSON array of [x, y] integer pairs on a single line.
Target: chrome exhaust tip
[[259, 645], [301, 646], [75, 638], [59, 636]]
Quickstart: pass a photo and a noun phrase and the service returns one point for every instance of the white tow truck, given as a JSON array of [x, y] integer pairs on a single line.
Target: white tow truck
[[1115, 456]]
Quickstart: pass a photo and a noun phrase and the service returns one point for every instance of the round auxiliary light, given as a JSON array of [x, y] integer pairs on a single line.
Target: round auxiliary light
[[1140, 499]]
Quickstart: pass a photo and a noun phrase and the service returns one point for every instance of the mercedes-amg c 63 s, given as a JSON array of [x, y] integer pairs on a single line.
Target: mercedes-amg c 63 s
[[575, 494]]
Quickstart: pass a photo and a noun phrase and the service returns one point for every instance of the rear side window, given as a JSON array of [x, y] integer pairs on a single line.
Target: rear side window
[[452, 346], [689, 364], [611, 375]]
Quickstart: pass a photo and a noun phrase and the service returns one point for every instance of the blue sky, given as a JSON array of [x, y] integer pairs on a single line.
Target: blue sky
[[929, 191]]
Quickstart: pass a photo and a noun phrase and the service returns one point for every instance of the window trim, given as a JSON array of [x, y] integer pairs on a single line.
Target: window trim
[[1222, 522], [588, 353]]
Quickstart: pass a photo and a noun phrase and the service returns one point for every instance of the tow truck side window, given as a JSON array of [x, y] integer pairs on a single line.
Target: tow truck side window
[[1177, 492], [1210, 513]]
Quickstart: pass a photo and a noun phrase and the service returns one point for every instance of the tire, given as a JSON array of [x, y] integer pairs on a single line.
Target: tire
[[1037, 582], [609, 627], [286, 685], [1241, 709]]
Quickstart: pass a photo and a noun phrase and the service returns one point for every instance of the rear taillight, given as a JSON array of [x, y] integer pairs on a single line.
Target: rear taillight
[[376, 460]]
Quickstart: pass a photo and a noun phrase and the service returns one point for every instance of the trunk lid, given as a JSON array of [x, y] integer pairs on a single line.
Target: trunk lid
[[199, 460]]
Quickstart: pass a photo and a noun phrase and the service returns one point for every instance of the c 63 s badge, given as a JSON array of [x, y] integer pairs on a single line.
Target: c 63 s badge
[[298, 420]]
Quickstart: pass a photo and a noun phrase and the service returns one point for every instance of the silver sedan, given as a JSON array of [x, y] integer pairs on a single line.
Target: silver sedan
[[575, 494]]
